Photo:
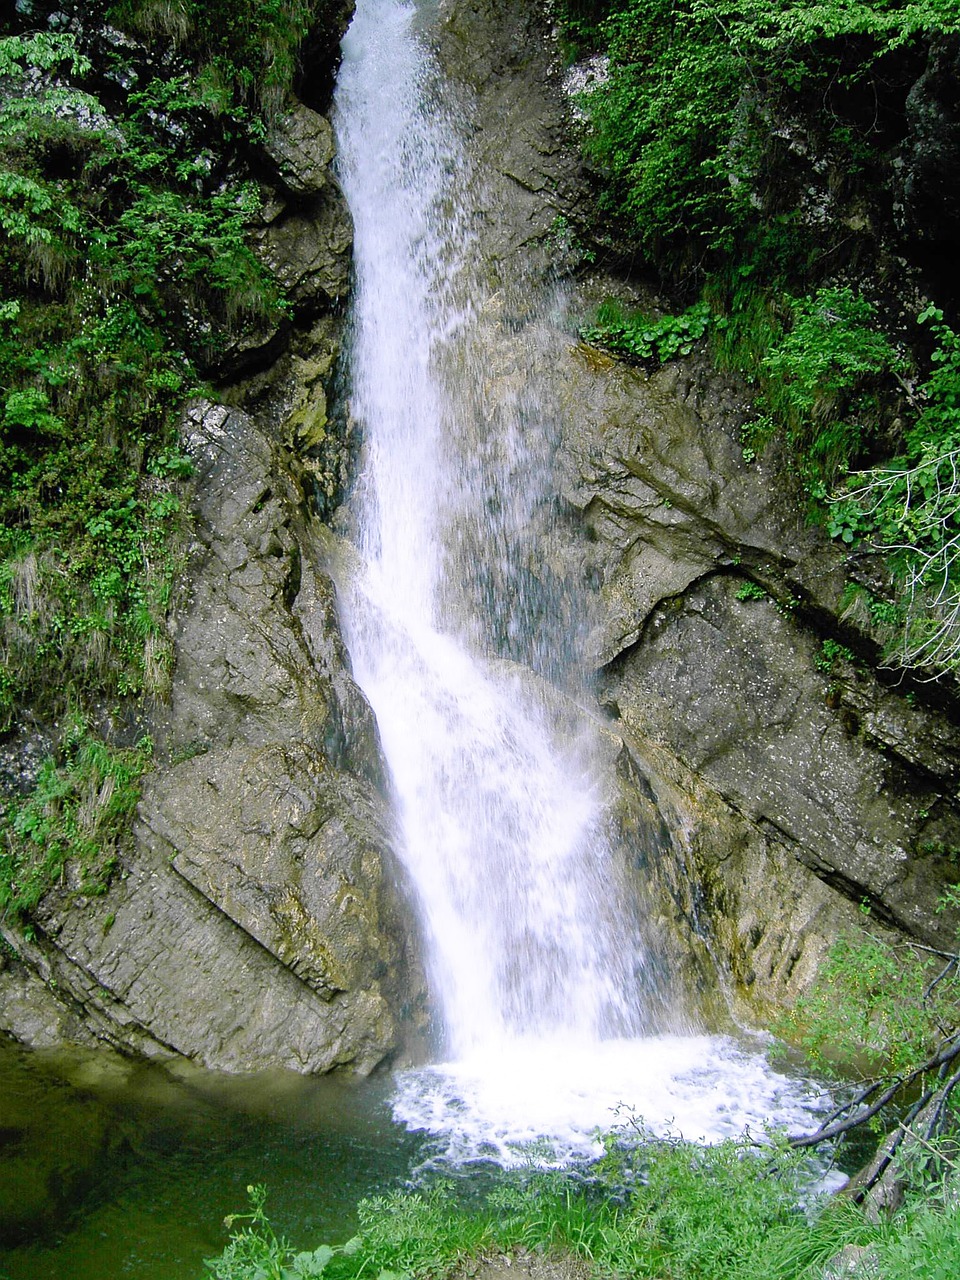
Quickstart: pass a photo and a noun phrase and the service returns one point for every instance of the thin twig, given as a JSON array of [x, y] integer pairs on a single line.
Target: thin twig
[[947, 1053], [951, 964]]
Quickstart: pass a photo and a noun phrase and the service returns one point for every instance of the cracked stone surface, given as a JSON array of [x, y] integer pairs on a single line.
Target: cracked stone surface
[[782, 789], [257, 920]]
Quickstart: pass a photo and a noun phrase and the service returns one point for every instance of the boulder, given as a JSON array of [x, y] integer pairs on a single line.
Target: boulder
[[307, 247], [300, 144]]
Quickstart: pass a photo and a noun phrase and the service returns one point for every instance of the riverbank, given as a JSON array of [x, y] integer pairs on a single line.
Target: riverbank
[[666, 1208]]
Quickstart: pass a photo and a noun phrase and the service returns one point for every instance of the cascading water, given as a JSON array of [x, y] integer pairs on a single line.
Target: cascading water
[[463, 636]]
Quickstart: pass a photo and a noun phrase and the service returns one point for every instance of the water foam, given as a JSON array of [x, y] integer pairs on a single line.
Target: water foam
[[547, 1102]]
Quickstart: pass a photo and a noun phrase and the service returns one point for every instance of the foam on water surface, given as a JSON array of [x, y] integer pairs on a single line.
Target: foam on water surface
[[546, 1101]]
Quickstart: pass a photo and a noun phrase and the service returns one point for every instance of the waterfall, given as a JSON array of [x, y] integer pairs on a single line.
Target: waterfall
[[463, 620]]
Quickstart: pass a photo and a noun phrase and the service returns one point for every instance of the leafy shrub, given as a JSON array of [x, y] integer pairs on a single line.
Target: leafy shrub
[[72, 819], [680, 130], [647, 338], [247, 48], [816, 378], [656, 123]]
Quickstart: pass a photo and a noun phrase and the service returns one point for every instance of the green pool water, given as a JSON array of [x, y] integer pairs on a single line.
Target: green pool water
[[110, 1168]]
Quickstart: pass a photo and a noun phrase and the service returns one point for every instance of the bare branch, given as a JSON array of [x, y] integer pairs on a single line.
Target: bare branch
[[834, 1128]]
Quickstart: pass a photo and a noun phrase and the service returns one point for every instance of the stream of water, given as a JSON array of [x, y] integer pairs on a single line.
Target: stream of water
[[466, 639]]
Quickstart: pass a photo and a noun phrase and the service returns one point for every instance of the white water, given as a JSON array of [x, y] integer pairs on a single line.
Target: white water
[[454, 623]]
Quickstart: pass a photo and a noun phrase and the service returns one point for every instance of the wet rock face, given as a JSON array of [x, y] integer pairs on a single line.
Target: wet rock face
[[733, 687], [506, 65], [303, 235], [255, 922], [808, 783], [275, 817], [300, 144], [320, 52]]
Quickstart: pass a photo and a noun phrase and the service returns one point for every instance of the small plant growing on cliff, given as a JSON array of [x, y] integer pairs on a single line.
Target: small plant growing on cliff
[[818, 378], [563, 240], [831, 654], [642, 337], [70, 822]]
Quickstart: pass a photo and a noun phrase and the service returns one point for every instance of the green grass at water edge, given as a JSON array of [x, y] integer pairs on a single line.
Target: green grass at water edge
[[724, 1213]]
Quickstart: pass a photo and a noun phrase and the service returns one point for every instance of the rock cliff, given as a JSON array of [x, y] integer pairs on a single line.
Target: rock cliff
[[792, 783], [255, 918]]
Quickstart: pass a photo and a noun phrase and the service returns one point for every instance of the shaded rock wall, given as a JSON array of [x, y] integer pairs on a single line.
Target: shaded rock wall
[[779, 788], [257, 917]]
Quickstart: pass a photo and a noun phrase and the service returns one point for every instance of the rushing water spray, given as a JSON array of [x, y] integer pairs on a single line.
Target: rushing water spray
[[460, 633], [499, 818]]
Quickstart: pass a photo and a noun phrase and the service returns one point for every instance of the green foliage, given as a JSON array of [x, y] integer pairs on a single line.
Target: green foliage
[[875, 1007], [566, 244], [818, 367], [671, 96], [581, 25], [702, 1209], [247, 48], [680, 128], [644, 337], [816, 378], [846, 521], [753, 319], [832, 653], [751, 591], [691, 137], [651, 1208], [929, 1246], [70, 822], [43, 51], [123, 264], [256, 1252]]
